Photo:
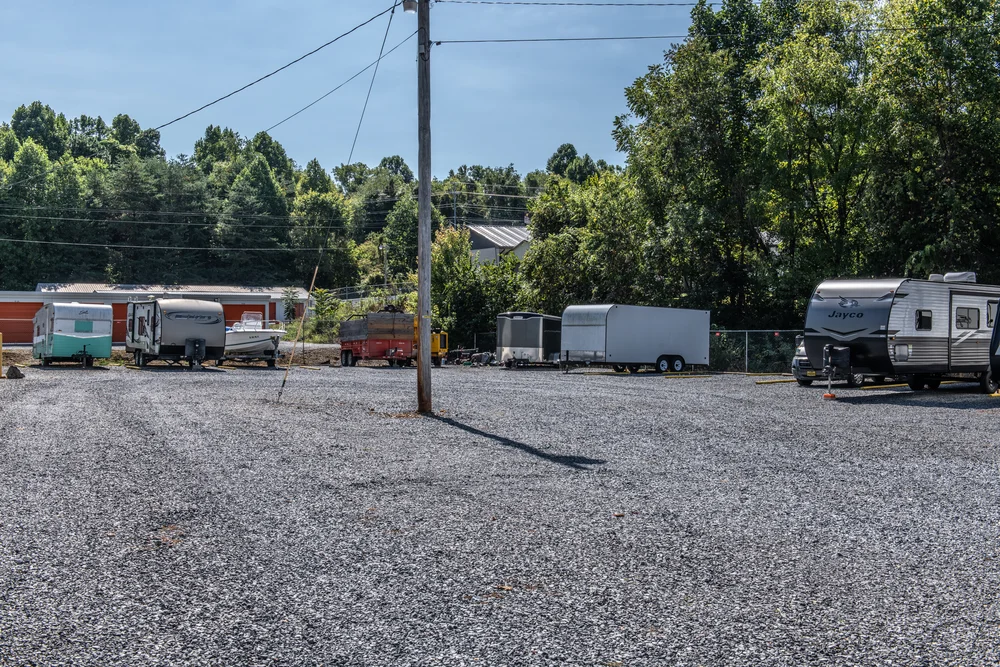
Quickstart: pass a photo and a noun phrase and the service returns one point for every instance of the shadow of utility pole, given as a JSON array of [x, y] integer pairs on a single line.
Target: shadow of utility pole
[[575, 462]]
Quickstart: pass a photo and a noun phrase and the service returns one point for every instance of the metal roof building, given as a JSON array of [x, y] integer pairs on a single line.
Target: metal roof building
[[489, 242]]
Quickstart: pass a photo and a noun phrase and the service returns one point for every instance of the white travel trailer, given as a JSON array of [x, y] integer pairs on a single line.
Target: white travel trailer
[[72, 332], [175, 330], [921, 330], [528, 338], [627, 337]]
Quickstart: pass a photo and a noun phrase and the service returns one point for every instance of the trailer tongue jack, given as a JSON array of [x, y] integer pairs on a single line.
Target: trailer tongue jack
[[834, 359]]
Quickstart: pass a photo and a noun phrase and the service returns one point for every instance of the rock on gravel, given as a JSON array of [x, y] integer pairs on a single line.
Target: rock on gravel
[[171, 517]]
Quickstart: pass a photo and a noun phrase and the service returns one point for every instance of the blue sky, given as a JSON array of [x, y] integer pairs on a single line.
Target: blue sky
[[493, 104]]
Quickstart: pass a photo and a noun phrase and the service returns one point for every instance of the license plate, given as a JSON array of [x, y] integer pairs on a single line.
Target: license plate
[[811, 374]]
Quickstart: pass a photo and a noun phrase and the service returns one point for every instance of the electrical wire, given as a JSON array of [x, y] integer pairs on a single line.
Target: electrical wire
[[525, 40], [370, 86], [152, 247], [325, 95], [283, 67], [575, 4]]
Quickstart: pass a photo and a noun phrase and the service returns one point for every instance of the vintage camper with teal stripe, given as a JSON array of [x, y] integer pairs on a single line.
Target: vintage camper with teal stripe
[[72, 332]]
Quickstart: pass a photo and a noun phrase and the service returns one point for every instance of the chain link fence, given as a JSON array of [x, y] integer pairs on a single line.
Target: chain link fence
[[752, 350], [732, 350]]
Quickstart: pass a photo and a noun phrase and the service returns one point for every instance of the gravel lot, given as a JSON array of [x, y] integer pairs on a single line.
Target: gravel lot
[[165, 517]]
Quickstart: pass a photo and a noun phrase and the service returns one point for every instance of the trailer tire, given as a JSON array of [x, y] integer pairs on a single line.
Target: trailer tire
[[988, 383], [664, 364], [618, 368], [436, 360], [933, 383], [45, 361], [855, 380], [271, 363], [916, 383], [633, 368], [677, 364], [345, 359], [804, 383]]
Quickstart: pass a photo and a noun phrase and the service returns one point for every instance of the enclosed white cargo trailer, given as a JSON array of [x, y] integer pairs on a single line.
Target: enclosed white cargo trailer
[[668, 339]]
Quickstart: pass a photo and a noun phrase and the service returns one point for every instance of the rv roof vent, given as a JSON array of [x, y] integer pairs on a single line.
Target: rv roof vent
[[960, 277], [936, 278]]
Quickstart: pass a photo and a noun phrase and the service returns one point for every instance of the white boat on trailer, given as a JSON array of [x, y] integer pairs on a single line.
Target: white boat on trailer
[[249, 340]]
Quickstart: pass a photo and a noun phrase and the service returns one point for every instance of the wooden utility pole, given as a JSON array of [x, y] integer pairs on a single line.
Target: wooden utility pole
[[424, 205]]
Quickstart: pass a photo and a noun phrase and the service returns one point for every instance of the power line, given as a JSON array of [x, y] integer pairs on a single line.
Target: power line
[[575, 4], [370, 86], [109, 246], [283, 67], [522, 40], [165, 223], [325, 95]]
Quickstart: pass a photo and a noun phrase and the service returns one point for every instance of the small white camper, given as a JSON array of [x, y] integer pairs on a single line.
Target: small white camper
[[175, 330]]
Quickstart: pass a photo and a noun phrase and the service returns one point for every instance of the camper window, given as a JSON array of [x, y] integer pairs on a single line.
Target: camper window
[[991, 314], [923, 320], [966, 318], [83, 326]]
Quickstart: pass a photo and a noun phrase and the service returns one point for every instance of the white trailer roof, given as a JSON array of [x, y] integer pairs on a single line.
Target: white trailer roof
[[82, 311], [578, 316]]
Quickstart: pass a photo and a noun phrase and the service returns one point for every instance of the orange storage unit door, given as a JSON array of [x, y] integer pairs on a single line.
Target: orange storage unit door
[[234, 311], [16, 321], [118, 331]]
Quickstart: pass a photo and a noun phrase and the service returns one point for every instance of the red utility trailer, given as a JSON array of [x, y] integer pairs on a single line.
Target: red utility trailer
[[387, 334]]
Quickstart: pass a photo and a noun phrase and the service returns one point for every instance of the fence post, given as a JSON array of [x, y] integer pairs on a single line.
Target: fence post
[[746, 352]]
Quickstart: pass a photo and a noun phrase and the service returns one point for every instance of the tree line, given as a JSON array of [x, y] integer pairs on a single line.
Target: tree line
[[781, 143]]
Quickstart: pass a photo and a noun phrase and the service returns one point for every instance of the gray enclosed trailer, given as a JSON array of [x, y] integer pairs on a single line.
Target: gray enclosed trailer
[[175, 330], [528, 338], [669, 339]]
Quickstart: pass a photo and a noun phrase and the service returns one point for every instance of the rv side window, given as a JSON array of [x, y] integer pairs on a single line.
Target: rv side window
[[991, 313], [966, 318], [923, 320]]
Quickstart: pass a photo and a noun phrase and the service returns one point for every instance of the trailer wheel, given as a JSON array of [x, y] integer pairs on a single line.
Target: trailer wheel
[[435, 360], [804, 383], [345, 359], [664, 364], [855, 380], [270, 363], [933, 383], [677, 364], [45, 361], [916, 383], [633, 368], [987, 382], [618, 368]]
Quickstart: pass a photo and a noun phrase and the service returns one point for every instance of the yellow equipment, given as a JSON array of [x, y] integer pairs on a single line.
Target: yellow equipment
[[439, 342]]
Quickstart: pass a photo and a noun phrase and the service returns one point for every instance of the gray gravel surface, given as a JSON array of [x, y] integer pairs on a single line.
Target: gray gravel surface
[[165, 517]]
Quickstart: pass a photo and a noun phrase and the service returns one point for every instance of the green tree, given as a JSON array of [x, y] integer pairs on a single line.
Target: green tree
[[400, 235], [322, 220], [218, 145], [254, 227], [350, 177], [40, 123], [124, 129], [8, 143], [314, 179], [561, 159], [396, 166], [275, 155]]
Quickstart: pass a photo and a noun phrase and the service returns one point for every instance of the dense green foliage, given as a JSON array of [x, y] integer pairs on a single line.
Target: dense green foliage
[[781, 143]]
